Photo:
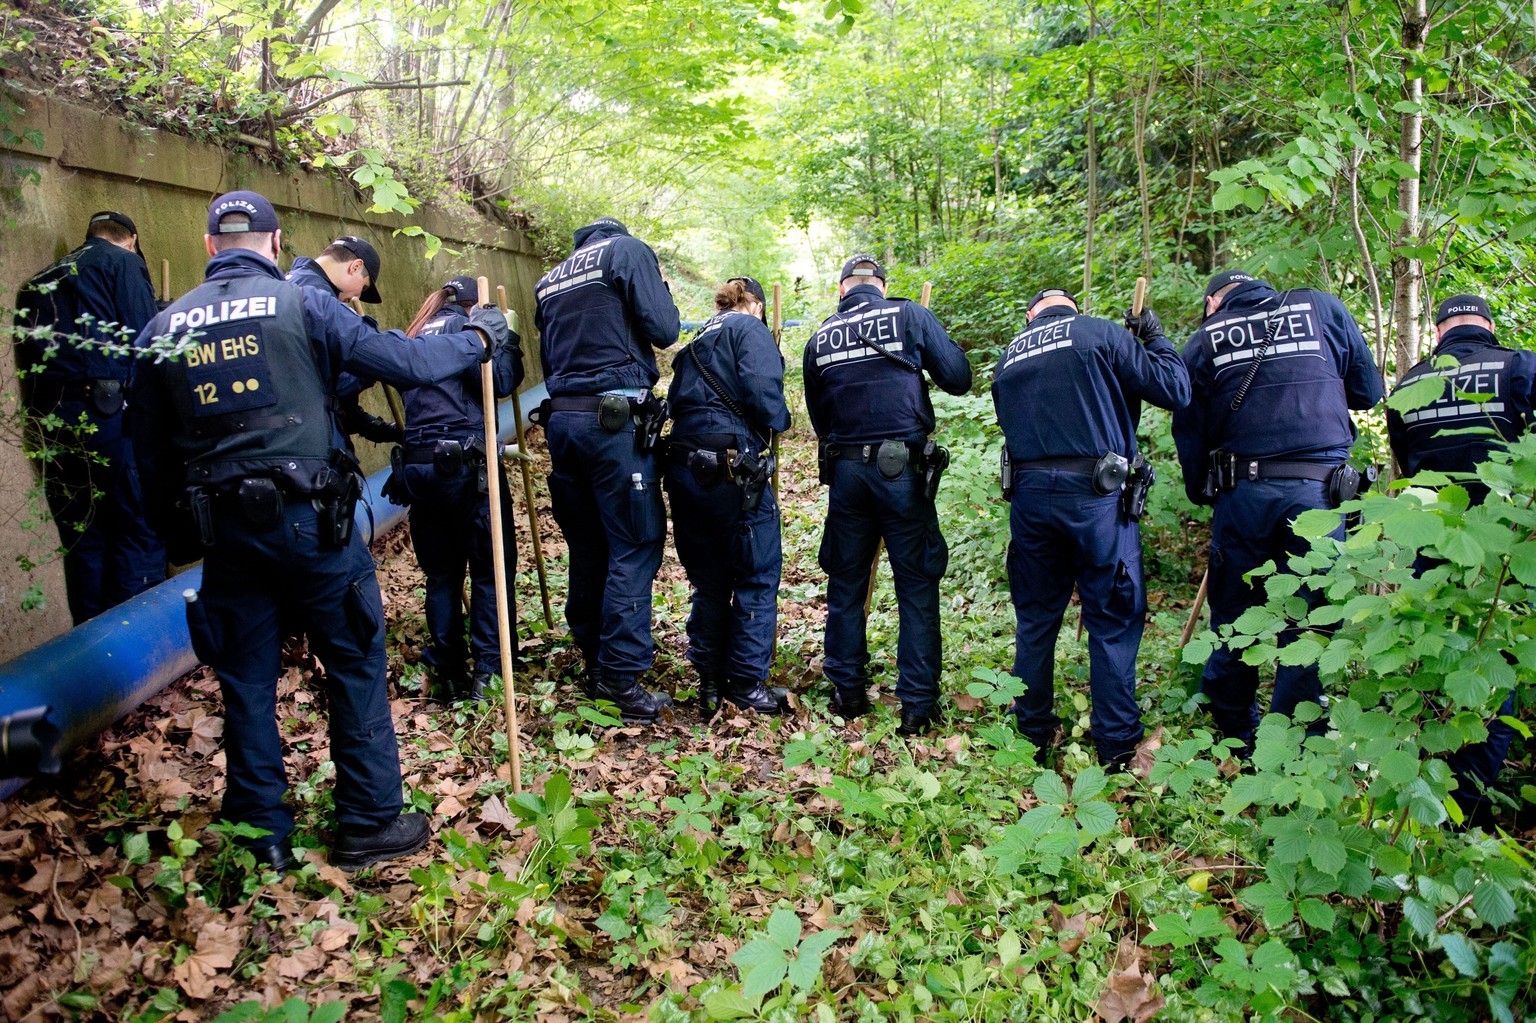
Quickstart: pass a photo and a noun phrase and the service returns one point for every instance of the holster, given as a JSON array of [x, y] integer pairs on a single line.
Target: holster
[[395, 488], [199, 504], [1348, 483], [1133, 499], [651, 414], [337, 489], [751, 473], [1005, 471], [106, 396], [824, 462], [448, 457], [935, 461], [261, 502], [706, 467], [613, 412], [539, 414]]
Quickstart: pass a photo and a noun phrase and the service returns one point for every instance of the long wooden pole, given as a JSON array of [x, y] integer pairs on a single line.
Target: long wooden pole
[[533, 514], [499, 559], [874, 566], [165, 280], [1138, 302], [778, 339]]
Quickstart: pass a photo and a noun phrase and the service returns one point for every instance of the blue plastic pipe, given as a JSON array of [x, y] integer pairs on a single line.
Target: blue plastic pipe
[[59, 695]]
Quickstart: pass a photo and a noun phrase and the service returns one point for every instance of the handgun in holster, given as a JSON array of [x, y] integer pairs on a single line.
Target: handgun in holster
[[824, 460], [651, 414], [751, 472], [337, 489], [199, 504], [935, 461], [1221, 472], [1005, 472], [1133, 499]]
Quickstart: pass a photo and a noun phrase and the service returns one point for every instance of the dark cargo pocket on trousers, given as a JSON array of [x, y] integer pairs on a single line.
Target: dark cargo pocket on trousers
[[364, 610], [205, 639], [1128, 596], [647, 515]]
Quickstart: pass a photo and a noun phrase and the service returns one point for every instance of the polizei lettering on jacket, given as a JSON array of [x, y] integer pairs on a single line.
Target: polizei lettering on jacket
[[1293, 333], [259, 307], [853, 336], [583, 267], [1052, 334]]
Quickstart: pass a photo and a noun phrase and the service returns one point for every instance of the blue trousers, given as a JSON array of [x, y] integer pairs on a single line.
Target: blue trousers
[[256, 582], [451, 531], [92, 486], [733, 560], [863, 508], [1062, 532], [614, 531], [1252, 525]]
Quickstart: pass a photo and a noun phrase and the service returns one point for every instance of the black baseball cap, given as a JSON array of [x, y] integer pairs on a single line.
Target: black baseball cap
[[462, 289], [849, 268], [370, 257], [1463, 305], [263, 218], [755, 290], [1041, 296], [1225, 278], [121, 219]]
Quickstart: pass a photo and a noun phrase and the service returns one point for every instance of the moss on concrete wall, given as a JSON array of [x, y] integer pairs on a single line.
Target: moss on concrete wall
[[90, 161]]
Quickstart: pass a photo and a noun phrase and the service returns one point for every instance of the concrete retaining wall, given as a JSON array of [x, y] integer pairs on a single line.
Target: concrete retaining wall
[[90, 161]]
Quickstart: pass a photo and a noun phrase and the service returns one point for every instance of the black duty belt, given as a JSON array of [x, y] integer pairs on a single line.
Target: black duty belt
[[427, 454], [1258, 469], [1084, 466], [867, 452], [576, 403]]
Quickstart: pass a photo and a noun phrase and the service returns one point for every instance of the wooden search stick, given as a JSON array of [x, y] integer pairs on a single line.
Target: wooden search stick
[[1194, 612], [499, 558], [533, 515], [874, 566], [1138, 302], [165, 280], [778, 339]]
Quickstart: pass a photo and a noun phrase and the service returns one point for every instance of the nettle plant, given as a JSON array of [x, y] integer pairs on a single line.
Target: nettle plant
[[1368, 871]]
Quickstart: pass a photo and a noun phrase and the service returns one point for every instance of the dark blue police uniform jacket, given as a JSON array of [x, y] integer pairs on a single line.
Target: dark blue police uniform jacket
[[100, 293], [258, 582], [450, 515], [1316, 369], [601, 314], [1070, 387], [306, 273], [1434, 437], [733, 557], [858, 397]]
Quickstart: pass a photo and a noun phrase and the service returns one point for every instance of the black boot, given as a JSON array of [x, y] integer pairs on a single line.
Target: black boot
[[589, 680], [916, 722], [850, 703], [756, 696], [452, 686], [636, 705], [400, 837], [474, 692], [709, 693]]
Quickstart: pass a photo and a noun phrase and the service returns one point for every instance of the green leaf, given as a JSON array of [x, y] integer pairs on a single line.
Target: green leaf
[[1493, 904], [1462, 954], [1089, 783], [729, 1003], [1009, 947], [1413, 527], [1096, 818], [1419, 916], [1318, 914], [330, 1012], [1050, 789], [784, 929], [1227, 196], [1467, 688], [1328, 854]]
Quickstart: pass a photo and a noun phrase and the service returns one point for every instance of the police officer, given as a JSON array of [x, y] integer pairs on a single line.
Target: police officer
[[348, 269], [601, 315], [234, 429], [1437, 437], [99, 294], [440, 472], [1068, 392], [869, 405], [1263, 439], [727, 399]]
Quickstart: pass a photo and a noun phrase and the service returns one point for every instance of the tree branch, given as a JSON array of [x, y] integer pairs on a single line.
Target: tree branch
[[292, 112]]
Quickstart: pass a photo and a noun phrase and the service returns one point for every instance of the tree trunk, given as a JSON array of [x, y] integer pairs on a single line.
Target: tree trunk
[[1408, 271], [1085, 300]]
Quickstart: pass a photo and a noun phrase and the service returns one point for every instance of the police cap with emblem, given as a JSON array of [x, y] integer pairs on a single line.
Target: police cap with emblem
[[462, 289], [1225, 278], [262, 218], [852, 267], [1463, 305], [370, 257]]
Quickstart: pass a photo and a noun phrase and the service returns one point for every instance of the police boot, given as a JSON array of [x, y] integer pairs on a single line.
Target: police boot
[[400, 837], [850, 703], [636, 704], [916, 722], [478, 683], [755, 696], [710, 683], [452, 686], [589, 680]]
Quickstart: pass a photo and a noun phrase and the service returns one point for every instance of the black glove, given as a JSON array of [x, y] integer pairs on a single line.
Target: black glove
[[491, 321], [380, 431], [1145, 326]]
